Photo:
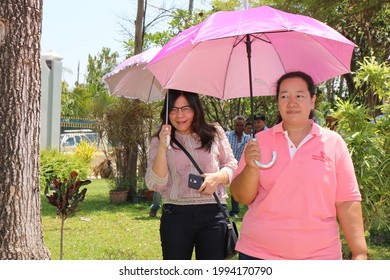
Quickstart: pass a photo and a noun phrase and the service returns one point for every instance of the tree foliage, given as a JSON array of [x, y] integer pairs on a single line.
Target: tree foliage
[[372, 81], [127, 125], [368, 145]]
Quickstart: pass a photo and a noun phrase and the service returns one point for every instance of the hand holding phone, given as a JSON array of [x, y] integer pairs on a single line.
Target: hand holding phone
[[195, 181]]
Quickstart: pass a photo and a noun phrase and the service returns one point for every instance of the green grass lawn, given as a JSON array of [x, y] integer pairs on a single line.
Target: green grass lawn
[[102, 231]]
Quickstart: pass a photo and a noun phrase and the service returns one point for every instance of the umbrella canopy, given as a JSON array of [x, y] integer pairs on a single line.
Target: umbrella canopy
[[211, 58], [219, 55], [132, 80]]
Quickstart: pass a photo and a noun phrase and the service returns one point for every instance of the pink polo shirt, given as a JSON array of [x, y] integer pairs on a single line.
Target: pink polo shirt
[[294, 213]]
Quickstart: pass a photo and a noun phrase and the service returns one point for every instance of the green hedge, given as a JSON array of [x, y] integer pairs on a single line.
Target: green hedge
[[59, 165]]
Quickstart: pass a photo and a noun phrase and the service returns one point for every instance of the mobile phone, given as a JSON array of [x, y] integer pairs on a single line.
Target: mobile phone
[[195, 181]]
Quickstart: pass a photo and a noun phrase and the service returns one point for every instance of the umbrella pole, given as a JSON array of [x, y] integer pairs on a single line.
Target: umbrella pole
[[249, 52], [166, 121], [166, 109], [248, 44]]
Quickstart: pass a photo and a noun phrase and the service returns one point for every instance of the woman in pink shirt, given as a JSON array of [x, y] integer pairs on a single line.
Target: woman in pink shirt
[[293, 206], [190, 217]]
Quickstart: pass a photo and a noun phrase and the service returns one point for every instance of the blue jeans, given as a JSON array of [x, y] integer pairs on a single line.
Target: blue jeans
[[184, 227], [235, 207]]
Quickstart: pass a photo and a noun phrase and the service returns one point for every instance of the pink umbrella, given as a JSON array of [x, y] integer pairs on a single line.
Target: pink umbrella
[[132, 80], [219, 55], [212, 57]]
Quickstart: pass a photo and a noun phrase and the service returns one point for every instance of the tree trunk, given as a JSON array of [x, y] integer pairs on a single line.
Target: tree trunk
[[62, 237], [139, 27], [20, 85], [139, 40], [190, 7]]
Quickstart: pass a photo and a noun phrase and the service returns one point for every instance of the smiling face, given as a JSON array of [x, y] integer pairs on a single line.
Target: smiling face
[[182, 118], [295, 102]]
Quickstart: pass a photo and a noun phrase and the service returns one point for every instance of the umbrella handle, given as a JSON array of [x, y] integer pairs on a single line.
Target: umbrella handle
[[267, 165], [168, 141]]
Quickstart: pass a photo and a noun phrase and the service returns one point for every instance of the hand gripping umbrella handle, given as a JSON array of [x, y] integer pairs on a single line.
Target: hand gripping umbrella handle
[[267, 165]]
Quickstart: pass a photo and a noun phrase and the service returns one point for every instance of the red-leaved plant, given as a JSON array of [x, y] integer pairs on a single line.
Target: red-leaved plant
[[66, 196]]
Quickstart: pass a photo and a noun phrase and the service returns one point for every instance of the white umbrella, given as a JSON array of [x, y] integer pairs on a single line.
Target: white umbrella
[[132, 80]]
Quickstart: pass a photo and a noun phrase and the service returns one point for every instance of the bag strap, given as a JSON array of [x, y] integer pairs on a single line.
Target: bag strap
[[174, 140]]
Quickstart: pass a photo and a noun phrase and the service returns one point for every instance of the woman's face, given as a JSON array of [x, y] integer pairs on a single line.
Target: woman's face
[[294, 101], [182, 115]]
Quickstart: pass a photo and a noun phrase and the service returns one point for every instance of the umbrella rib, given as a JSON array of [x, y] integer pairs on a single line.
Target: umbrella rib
[[151, 88], [227, 66], [183, 59], [322, 46], [239, 39], [268, 41], [259, 37]]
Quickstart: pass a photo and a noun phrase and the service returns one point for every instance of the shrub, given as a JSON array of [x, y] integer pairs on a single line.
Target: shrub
[[380, 236], [85, 150], [367, 144], [59, 165]]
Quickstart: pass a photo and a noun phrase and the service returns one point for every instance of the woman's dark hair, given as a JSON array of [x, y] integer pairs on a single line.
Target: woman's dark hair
[[206, 132], [310, 86]]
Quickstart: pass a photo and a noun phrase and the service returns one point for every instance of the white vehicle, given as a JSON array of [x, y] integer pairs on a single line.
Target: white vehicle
[[71, 138]]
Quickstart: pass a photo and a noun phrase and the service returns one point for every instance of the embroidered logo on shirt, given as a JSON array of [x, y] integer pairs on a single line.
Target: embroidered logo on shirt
[[322, 157]]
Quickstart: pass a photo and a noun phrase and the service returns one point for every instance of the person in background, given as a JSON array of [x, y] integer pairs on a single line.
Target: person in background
[[259, 123], [248, 128], [237, 139], [294, 206], [190, 217]]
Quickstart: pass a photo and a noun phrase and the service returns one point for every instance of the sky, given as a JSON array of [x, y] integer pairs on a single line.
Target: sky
[[75, 28]]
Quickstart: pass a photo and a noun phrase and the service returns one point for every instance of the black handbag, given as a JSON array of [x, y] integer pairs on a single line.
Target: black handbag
[[231, 231]]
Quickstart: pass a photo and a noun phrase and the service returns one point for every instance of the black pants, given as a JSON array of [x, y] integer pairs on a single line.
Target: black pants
[[184, 227], [244, 257]]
